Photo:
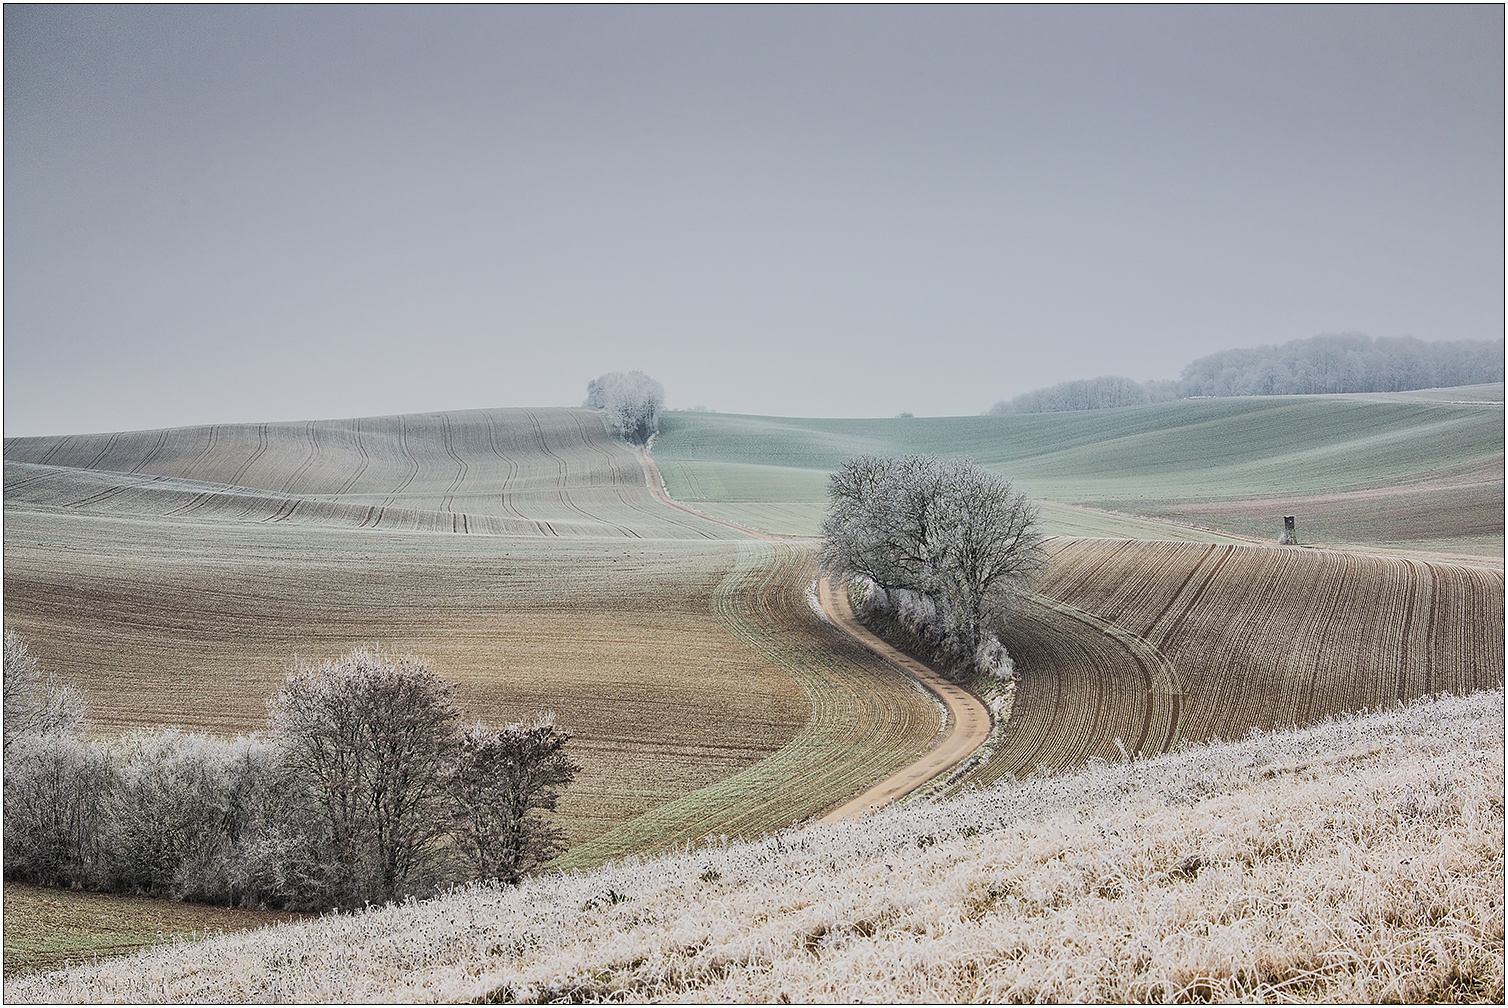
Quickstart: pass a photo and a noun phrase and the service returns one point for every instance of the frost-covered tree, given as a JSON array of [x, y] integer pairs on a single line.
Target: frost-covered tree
[[1333, 362], [367, 742], [56, 788], [631, 401], [1104, 392], [502, 781], [394, 797], [35, 703], [950, 538]]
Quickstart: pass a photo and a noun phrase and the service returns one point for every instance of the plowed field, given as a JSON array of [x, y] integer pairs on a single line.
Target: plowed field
[[1161, 643], [175, 576]]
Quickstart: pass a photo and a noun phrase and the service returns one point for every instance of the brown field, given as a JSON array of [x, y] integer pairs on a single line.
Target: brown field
[[1162, 643], [519, 550], [1458, 510]]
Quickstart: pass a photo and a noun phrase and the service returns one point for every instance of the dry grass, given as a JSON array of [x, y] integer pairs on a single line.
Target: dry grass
[[1358, 860]]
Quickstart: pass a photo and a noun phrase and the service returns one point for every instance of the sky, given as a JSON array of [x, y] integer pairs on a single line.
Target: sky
[[242, 214]]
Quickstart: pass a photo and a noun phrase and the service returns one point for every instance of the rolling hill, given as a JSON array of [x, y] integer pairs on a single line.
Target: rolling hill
[[175, 576], [1400, 471]]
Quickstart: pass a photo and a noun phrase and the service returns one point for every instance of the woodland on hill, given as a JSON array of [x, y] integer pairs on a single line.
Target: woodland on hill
[[1346, 362]]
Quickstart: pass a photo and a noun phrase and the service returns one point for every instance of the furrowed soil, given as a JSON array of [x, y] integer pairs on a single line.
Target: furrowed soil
[[1157, 644], [176, 576]]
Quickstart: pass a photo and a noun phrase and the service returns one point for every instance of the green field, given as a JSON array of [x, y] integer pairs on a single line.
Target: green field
[[1386, 471], [47, 929], [176, 576]]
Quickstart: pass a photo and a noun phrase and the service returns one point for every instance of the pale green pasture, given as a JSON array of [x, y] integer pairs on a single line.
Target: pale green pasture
[[805, 519], [770, 472], [1209, 447]]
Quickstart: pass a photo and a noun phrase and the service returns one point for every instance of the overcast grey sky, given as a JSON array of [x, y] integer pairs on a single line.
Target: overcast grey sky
[[240, 214]]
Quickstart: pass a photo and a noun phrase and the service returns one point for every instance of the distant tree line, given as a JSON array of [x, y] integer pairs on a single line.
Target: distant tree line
[[369, 788], [941, 546], [631, 401], [1348, 362]]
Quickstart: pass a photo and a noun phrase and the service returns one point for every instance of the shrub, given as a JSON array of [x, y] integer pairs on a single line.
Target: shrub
[[368, 791], [501, 782], [35, 703]]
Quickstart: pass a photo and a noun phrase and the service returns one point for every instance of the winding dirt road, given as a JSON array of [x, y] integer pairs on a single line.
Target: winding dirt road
[[968, 723], [966, 730]]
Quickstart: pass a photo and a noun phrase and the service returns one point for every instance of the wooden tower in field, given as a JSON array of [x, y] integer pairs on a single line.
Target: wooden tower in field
[[1289, 537]]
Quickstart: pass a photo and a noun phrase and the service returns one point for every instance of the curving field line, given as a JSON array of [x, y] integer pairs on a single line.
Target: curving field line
[[968, 723], [968, 726], [1158, 643]]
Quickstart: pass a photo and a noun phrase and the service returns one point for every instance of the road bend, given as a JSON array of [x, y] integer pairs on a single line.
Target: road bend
[[968, 719]]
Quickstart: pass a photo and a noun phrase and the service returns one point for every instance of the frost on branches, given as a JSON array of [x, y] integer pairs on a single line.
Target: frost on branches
[[632, 402], [940, 546]]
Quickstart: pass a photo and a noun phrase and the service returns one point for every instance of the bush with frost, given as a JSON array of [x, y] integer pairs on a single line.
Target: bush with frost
[[632, 403], [35, 703], [944, 545], [368, 790]]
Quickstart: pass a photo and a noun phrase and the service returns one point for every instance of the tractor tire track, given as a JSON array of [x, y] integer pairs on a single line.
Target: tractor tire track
[[969, 720], [562, 482]]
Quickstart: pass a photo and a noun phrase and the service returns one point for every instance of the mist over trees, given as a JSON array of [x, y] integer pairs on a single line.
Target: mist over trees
[[631, 401], [941, 545], [1084, 394], [369, 789], [1347, 362]]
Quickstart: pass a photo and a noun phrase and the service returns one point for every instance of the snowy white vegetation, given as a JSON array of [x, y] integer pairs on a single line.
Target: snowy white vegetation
[[1334, 362], [1355, 860], [942, 546], [35, 703], [369, 788], [631, 401]]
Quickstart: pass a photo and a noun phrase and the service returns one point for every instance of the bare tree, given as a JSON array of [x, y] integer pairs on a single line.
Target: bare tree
[[394, 797], [368, 741], [56, 787], [951, 532], [502, 781]]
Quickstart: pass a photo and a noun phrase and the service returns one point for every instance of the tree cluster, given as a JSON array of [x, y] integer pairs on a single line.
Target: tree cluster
[[631, 401], [1104, 392], [368, 788], [942, 545], [1347, 362]]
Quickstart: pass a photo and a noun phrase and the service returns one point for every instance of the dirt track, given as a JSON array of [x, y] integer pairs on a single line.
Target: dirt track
[[968, 724], [968, 719]]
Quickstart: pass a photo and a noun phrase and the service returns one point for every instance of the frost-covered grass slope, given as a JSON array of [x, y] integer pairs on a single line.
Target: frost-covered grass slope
[[1443, 456], [1357, 860]]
